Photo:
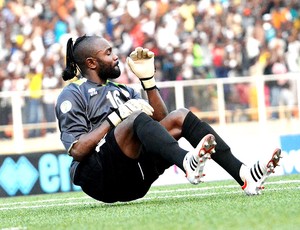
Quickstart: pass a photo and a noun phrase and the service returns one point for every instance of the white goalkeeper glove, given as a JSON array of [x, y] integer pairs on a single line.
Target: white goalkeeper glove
[[141, 63], [128, 108]]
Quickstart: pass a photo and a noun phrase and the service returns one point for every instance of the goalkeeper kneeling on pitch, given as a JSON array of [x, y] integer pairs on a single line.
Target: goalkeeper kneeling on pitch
[[121, 143]]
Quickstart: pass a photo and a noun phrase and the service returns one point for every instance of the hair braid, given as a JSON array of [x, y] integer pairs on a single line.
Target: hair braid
[[71, 68]]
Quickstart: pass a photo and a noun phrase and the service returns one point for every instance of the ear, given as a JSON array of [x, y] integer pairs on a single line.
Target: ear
[[90, 63]]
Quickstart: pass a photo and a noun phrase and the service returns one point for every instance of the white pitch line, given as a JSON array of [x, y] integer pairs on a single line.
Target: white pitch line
[[92, 201], [46, 201], [220, 187]]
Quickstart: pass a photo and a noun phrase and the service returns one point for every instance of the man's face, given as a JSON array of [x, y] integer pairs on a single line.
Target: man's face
[[108, 63]]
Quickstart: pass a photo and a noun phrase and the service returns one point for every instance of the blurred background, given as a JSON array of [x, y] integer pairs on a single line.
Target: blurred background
[[236, 64]]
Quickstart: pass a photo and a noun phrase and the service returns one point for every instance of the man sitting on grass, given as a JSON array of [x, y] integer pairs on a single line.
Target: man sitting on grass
[[121, 143]]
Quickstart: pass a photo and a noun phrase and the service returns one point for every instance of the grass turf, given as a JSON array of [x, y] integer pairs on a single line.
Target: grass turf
[[211, 205]]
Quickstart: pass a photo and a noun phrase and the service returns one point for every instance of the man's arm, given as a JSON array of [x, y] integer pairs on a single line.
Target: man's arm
[[158, 104], [141, 63], [87, 143]]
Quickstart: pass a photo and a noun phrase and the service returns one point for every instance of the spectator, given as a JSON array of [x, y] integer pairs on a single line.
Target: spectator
[[293, 54], [199, 68], [276, 67], [5, 104], [277, 45], [279, 15], [286, 100], [34, 78], [49, 83], [247, 31], [219, 59]]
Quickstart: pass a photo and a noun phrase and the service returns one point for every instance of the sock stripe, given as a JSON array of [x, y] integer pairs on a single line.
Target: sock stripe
[[256, 172], [258, 166], [194, 163], [253, 175]]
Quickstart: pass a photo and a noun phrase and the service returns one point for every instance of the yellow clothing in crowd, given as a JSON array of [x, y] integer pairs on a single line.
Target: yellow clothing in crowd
[[35, 85]]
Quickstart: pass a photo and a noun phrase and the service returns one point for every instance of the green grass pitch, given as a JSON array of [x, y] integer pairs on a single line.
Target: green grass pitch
[[210, 205]]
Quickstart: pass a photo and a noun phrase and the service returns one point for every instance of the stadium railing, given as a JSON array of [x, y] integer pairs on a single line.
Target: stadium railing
[[217, 100]]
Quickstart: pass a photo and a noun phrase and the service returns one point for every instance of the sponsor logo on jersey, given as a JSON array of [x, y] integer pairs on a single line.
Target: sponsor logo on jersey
[[92, 91]]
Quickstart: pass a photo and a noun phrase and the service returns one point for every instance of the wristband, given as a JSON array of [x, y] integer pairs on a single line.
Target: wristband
[[148, 83], [114, 119]]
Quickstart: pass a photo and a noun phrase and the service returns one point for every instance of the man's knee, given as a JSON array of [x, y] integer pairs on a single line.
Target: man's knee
[[178, 115], [127, 124], [126, 137], [173, 121], [181, 112], [131, 118]]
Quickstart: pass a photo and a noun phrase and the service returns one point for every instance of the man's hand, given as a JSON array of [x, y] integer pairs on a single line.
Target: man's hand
[[128, 108], [141, 63]]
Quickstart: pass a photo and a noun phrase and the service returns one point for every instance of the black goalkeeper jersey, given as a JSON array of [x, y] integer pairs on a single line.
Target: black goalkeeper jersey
[[83, 105]]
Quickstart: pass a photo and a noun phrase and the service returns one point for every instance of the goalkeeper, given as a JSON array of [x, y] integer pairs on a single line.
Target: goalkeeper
[[121, 143]]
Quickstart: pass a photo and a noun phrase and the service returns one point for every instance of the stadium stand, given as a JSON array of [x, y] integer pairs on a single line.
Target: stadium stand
[[192, 40]]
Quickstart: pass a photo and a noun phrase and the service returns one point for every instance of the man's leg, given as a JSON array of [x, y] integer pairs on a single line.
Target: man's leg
[[193, 129], [156, 140], [251, 179], [141, 130]]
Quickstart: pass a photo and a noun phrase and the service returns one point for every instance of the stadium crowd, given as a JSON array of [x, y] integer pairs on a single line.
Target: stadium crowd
[[191, 40]]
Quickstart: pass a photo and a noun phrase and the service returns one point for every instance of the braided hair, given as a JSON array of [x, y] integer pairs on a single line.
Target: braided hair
[[72, 63]]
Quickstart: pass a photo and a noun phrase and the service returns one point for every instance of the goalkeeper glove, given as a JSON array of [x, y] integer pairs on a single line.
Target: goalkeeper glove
[[128, 108], [141, 63]]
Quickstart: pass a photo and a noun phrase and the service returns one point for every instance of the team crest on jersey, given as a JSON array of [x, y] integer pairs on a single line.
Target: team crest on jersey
[[65, 106], [92, 91]]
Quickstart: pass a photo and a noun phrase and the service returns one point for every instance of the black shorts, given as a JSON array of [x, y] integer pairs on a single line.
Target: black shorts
[[110, 176]]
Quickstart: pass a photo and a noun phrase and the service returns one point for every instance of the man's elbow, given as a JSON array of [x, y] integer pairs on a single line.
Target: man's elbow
[[77, 156]]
